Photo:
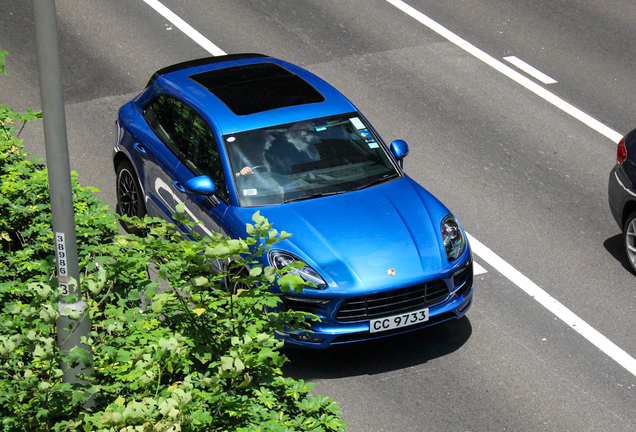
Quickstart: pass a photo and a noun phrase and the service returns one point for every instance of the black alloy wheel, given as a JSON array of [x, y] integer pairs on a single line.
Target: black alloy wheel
[[130, 200]]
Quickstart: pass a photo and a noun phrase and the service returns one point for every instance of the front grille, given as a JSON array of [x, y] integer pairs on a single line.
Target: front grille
[[392, 302]]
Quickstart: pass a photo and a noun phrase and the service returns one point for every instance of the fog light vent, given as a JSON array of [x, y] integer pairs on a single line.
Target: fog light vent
[[306, 338]]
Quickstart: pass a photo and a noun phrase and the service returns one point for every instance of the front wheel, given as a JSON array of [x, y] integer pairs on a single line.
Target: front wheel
[[629, 238], [130, 200]]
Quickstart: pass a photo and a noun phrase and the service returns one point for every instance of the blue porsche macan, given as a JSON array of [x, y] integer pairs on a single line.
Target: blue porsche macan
[[228, 136]]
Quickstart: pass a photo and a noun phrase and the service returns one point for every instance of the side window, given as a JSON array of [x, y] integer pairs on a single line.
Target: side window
[[203, 155], [188, 136], [170, 119]]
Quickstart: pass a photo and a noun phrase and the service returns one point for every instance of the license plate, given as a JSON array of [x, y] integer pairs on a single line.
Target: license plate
[[398, 321]]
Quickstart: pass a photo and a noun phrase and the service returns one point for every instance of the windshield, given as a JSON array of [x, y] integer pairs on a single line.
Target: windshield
[[307, 159]]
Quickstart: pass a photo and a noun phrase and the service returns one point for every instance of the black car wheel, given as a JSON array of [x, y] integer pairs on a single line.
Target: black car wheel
[[629, 238], [130, 200]]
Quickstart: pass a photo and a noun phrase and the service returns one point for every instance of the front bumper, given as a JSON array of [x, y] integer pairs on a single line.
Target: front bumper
[[330, 332]]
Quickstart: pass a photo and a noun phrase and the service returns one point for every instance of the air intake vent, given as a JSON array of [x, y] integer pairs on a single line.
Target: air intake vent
[[393, 302]]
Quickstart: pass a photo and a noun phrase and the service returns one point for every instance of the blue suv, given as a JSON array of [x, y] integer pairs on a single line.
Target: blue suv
[[228, 136]]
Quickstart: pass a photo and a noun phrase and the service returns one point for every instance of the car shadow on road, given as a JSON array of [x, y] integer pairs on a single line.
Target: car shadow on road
[[379, 356], [614, 245]]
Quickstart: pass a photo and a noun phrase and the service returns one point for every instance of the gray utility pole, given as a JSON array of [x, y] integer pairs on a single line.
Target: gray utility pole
[[69, 330]]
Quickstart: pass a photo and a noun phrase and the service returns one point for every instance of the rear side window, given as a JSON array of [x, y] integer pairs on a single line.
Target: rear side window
[[188, 136], [170, 119]]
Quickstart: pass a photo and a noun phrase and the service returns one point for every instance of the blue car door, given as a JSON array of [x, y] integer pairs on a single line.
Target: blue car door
[[161, 152]]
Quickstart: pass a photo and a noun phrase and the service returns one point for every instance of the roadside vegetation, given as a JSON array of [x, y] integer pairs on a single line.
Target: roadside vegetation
[[185, 350]]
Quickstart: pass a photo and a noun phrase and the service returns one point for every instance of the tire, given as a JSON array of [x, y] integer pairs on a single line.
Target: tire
[[629, 239], [130, 199]]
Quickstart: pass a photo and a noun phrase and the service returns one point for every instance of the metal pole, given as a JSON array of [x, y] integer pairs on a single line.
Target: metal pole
[[69, 330]]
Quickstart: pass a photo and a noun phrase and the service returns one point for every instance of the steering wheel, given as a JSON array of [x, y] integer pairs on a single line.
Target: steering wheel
[[260, 168]]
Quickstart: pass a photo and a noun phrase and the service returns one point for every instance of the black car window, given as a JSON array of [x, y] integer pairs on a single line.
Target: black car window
[[202, 155], [188, 136], [170, 119]]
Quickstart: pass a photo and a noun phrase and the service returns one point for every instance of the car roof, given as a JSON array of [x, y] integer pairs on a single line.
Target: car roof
[[242, 92]]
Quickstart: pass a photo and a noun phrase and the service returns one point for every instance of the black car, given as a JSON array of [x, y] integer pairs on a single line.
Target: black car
[[622, 193]]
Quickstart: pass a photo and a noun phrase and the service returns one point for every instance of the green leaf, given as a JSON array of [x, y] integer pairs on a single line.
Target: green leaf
[[198, 311], [78, 354], [157, 305], [256, 271], [133, 295], [201, 281], [2, 66], [78, 396], [227, 363], [39, 351], [123, 356], [238, 365], [256, 217]]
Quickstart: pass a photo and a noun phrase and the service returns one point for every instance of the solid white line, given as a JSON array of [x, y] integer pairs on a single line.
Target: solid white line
[[186, 28], [508, 71], [530, 70], [478, 270], [550, 303]]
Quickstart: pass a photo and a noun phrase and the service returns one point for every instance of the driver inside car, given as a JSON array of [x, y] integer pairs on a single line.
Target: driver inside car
[[281, 151]]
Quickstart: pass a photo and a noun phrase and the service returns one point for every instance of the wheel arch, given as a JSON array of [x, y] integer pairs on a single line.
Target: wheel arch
[[119, 157], [628, 208]]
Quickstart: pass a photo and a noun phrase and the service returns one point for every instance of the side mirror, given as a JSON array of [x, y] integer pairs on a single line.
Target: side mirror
[[400, 150], [202, 185]]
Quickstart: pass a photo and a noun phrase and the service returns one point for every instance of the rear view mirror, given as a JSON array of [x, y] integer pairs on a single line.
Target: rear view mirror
[[399, 149], [202, 185]]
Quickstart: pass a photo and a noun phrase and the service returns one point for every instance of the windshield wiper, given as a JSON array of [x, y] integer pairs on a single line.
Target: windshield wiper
[[323, 194], [375, 182], [312, 196]]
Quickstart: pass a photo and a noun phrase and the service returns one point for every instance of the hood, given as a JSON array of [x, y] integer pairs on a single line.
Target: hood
[[357, 239]]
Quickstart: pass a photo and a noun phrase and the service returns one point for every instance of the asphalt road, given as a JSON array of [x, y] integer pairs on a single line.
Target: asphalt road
[[525, 178]]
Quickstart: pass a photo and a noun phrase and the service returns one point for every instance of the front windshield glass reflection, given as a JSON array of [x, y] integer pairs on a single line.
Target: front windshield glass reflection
[[306, 159]]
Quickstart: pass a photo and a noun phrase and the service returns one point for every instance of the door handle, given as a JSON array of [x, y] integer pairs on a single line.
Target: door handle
[[140, 148], [178, 186]]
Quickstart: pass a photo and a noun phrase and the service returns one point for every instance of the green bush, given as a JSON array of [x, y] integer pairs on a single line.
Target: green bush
[[188, 349]]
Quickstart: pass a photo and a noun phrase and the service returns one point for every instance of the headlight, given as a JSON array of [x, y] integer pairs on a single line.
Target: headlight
[[280, 259], [454, 241]]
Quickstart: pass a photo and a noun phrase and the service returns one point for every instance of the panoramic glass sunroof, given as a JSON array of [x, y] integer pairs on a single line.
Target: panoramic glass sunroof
[[258, 87]]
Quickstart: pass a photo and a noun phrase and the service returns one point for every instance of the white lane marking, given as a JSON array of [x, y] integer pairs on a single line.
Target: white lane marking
[[478, 270], [600, 341], [185, 27], [530, 70], [508, 71], [553, 305]]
